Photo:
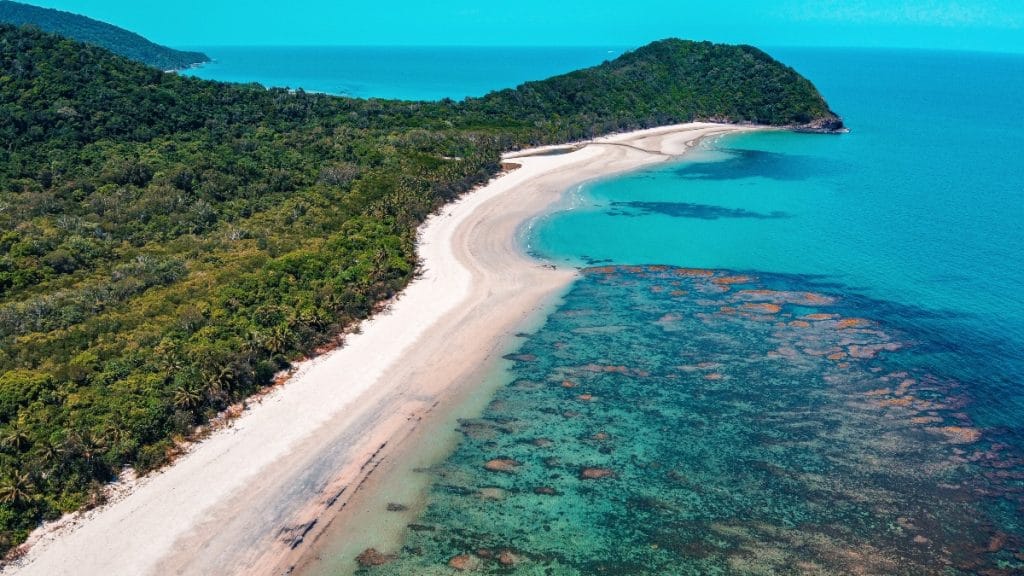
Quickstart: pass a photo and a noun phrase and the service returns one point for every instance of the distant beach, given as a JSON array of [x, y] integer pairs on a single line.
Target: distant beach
[[255, 495]]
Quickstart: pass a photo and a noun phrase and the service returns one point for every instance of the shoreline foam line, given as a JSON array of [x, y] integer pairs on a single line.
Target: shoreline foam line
[[253, 496]]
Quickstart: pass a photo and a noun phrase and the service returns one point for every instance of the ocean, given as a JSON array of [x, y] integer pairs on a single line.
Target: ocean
[[395, 72], [786, 353]]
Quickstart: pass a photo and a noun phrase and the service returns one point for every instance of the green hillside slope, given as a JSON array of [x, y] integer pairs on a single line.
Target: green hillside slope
[[117, 40]]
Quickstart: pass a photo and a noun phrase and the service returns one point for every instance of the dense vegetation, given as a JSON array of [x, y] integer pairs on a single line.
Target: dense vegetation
[[663, 83], [117, 40], [167, 244]]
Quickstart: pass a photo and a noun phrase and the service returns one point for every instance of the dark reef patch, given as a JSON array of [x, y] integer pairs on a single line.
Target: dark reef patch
[[688, 210], [742, 163]]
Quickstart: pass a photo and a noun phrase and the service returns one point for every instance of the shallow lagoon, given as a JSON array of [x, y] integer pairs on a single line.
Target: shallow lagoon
[[679, 421]]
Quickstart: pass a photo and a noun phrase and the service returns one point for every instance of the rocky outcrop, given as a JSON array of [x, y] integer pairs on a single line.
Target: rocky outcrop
[[827, 125]]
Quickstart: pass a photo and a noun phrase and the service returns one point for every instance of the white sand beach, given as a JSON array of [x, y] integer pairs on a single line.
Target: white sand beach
[[254, 496]]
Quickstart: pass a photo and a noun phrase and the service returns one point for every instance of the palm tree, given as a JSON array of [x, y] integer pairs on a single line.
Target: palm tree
[[90, 446], [187, 396], [218, 381], [16, 487], [16, 437], [253, 344], [116, 431], [50, 454], [380, 268], [279, 340]]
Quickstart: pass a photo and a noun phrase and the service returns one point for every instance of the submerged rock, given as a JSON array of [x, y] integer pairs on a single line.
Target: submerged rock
[[693, 273], [491, 493], [502, 465], [729, 280], [508, 558], [851, 323], [763, 307], [464, 562], [997, 542], [596, 473], [373, 557], [959, 434]]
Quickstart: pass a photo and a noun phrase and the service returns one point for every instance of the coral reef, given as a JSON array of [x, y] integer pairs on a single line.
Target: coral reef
[[733, 424]]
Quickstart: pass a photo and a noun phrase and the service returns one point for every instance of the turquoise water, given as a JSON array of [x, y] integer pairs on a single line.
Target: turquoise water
[[789, 354], [395, 72], [680, 421], [922, 203]]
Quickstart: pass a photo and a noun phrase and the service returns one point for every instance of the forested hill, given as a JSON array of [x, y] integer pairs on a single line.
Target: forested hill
[[167, 243], [117, 40], [665, 82]]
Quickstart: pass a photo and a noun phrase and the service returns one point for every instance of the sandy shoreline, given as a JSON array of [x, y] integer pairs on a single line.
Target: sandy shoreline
[[254, 497]]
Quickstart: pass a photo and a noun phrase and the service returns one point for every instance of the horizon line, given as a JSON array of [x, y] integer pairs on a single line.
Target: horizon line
[[606, 46]]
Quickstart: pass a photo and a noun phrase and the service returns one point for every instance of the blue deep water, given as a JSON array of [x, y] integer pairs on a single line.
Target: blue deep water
[[407, 73], [786, 353]]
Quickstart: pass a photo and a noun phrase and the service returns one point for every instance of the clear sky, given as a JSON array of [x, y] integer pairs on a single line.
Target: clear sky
[[992, 25]]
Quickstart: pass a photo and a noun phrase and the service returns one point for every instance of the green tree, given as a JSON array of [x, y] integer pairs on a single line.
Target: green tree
[[16, 488]]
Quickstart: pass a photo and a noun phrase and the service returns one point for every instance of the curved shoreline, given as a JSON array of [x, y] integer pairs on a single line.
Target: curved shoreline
[[255, 495]]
